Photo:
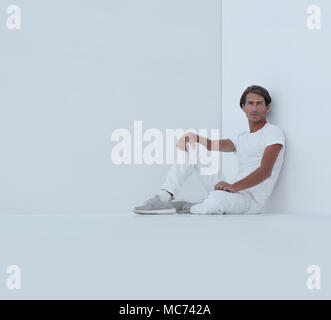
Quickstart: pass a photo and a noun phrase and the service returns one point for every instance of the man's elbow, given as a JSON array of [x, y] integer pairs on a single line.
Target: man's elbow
[[266, 171]]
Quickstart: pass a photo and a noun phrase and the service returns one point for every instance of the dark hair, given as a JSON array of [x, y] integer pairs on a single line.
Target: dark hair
[[258, 90]]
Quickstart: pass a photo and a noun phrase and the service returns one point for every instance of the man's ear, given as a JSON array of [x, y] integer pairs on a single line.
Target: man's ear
[[268, 107]]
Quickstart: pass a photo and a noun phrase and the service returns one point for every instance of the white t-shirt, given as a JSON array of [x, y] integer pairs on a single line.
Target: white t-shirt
[[249, 150]]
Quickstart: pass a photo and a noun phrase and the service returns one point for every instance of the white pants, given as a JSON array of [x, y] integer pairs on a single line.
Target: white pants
[[217, 201]]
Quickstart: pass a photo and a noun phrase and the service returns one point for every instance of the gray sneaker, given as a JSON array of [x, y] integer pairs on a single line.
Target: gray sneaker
[[155, 205], [183, 207]]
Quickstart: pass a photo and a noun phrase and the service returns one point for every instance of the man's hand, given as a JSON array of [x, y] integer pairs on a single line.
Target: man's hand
[[222, 185], [190, 137]]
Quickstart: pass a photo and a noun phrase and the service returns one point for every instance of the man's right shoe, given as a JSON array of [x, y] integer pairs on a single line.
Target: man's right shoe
[[155, 205]]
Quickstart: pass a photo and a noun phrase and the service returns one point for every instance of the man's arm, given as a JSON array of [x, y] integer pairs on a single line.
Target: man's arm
[[261, 173], [216, 145]]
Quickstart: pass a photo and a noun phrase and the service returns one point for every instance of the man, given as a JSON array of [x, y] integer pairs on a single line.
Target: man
[[260, 154]]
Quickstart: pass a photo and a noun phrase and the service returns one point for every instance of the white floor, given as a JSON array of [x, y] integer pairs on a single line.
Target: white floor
[[128, 256]]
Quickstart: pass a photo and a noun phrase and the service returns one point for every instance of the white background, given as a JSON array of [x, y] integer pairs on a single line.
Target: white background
[[80, 69]]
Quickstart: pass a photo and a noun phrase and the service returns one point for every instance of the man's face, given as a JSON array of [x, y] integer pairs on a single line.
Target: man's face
[[255, 108]]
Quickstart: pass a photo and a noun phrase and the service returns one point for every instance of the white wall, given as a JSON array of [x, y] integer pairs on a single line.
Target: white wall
[[78, 70], [268, 43]]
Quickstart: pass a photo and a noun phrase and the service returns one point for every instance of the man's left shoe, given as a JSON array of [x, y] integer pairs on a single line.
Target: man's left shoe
[[184, 207]]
